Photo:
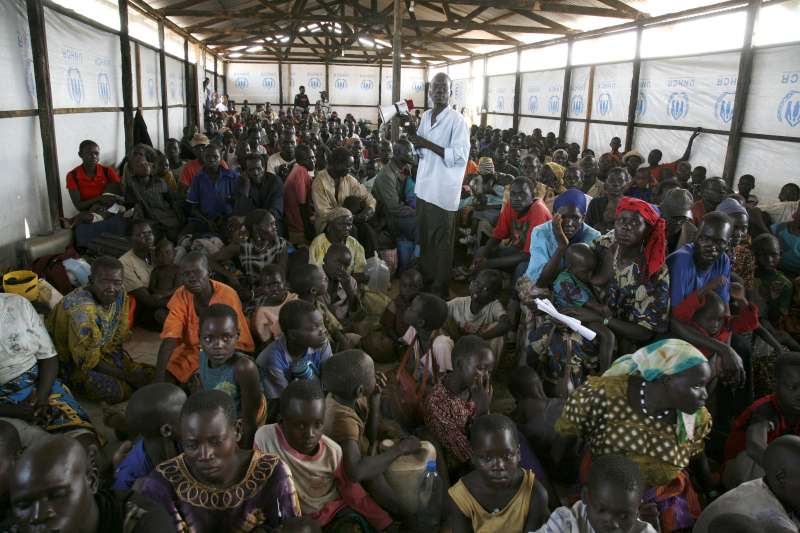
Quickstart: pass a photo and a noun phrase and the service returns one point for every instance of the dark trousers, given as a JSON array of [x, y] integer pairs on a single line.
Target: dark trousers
[[436, 234]]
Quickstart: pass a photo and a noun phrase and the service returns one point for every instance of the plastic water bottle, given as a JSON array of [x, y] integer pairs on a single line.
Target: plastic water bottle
[[429, 508], [378, 273]]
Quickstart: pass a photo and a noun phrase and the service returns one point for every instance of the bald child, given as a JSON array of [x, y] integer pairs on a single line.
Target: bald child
[[55, 487]]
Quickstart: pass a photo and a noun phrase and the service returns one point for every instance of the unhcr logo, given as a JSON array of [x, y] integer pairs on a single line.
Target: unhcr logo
[[554, 104], [367, 85], [340, 83], [723, 109], [241, 82], [75, 85], [678, 105], [500, 103], [604, 104], [314, 83], [789, 109], [268, 83], [418, 86], [576, 104], [641, 105], [103, 88], [533, 104]]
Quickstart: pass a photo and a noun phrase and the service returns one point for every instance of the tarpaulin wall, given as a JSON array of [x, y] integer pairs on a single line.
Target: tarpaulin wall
[[676, 95], [356, 89], [85, 80]]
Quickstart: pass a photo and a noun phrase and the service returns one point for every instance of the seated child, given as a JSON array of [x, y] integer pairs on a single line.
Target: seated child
[[164, 277], [480, 313], [316, 462], [561, 352], [271, 295], [610, 501], [342, 295], [764, 421], [153, 413], [640, 185], [383, 345], [215, 485], [535, 414], [221, 367], [461, 396], [298, 353], [773, 288], [426, 357], [10, 449], [352, 415], [517, 502], [311, 285]]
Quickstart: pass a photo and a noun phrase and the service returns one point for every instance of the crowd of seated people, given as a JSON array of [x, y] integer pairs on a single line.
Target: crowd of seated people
[[289, 383]]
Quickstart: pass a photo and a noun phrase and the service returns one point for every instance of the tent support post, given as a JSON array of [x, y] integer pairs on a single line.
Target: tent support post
[[280, 85], [127, 76], [138, 71], [589, 106], [517, 94], [740, 100], [44, 101], [189, 89], [485, 98], [397, 43], [162, 61], [216, 88], [562, 125], [634, 99]]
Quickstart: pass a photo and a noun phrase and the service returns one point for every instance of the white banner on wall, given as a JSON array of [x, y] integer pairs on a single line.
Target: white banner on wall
[[25, 199], [462, 93], [85, 66], [255, 82], [689, 91], [541, 93], [501, 94], [528, 124], [600, 136], [19, 85], [312, 77], [708, 149], [151, 77], [354, 85], [773, 106], [612, 91], [503, 122], [578, 92], [412, 86], [773, 163], [176, 87], [575, 132]]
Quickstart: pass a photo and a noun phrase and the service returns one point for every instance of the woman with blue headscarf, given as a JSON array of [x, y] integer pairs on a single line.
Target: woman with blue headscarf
[[550, 240], [650, 407]]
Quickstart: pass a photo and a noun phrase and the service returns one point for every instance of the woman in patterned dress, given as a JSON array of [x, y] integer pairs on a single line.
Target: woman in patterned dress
[[650, 407]]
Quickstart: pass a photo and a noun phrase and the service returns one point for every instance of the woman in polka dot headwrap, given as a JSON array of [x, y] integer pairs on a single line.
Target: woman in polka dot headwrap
[[650, 407]]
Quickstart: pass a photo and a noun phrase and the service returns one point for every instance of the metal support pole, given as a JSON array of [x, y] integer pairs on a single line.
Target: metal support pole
[[127, 77], [280, 85], [485, 98], [740, 100], [397, 43], [633, 103], [517, 94], [562, 125], [44, 100], [162, 61], [216, 89]]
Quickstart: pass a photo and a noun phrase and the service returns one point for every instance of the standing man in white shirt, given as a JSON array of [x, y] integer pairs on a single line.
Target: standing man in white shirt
[[442, 142]]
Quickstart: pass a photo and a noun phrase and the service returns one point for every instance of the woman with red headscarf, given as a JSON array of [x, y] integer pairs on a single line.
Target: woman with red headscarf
[[637, 294]]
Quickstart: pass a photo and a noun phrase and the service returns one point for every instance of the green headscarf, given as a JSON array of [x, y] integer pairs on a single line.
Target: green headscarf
[[663, 358]]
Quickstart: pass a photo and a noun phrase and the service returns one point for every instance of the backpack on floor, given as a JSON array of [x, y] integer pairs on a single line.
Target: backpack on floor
[[51, 268]]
